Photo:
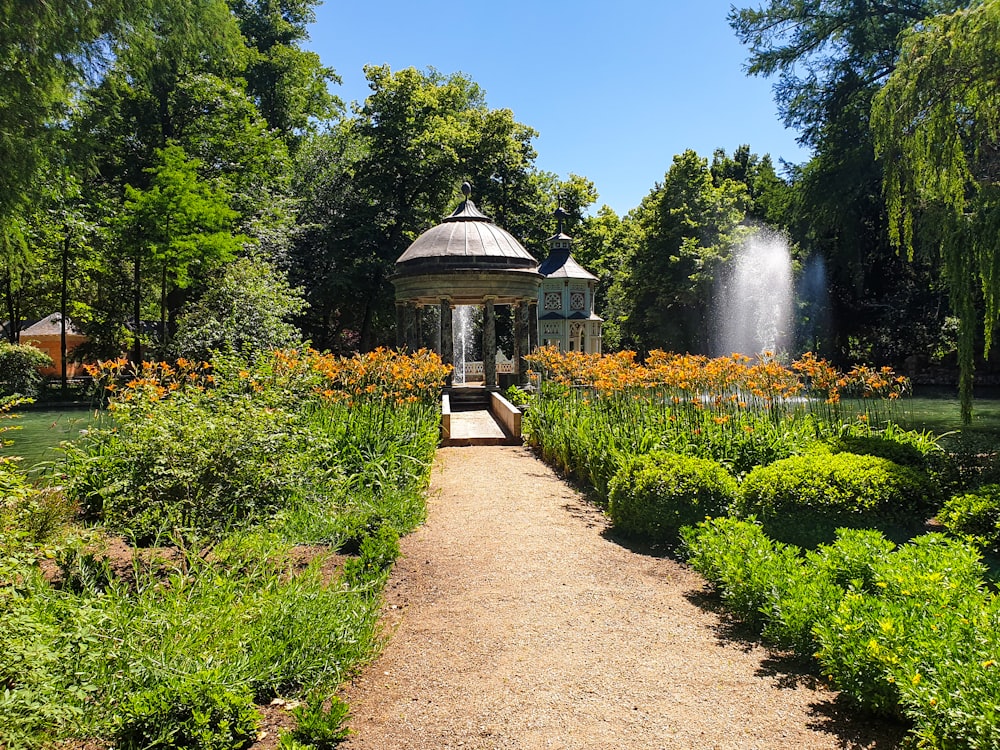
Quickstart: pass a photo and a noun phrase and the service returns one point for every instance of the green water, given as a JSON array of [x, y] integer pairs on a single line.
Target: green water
[[937, 411], [40, 431]]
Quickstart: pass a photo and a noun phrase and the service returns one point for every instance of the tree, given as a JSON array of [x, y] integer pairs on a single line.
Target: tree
[[245, 310], [829, 58], [288, 84], [374, 182], [937, 124], [827, 54], [181, 225], [46, 50], [604, 244], [687, 227], [768, 196]]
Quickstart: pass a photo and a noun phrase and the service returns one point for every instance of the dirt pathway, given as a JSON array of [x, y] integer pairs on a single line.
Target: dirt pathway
[[519, 624]]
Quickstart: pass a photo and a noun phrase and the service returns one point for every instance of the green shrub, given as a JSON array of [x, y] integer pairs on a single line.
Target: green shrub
[[19, 368], [805, 498], [921, 610], [740, 562], [654, 495], [877, 445], [319, 727], [197, 711], [853, 558], [187, 466], [918, 450], [975, 514], [814, 589], [910, 633], [377, 553]]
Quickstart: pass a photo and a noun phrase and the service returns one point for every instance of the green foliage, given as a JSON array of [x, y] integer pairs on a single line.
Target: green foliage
[[740, 562], [245, 311], [378, 551], [918, 617], [804, 498], [191, 465], [937, 130], [289, 83], [654, 495], [908, 632], [975, 514], [19, 368], [195, 711], [182, 221], [688, 225], [319, 727], [518, 396]]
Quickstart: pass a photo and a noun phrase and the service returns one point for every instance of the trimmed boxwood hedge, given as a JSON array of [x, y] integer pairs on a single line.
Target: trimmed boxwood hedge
[[803, 499], [654, 495]]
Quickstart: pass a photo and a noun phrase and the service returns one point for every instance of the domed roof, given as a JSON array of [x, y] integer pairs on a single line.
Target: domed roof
[[465, 240]]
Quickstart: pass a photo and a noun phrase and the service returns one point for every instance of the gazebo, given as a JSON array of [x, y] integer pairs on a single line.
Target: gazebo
[[468, 260]]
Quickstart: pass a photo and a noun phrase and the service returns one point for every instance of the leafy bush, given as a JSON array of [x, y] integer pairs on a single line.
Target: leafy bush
[[877, 445], [319, 727], [814, 589], [909, 632], [654, 495], [19, 368], [918, 450], [245, 309], [518, 396], [377, 554], [920, 614], [741, 562], [192, 463], [975, 514], [805, 498], [194, 711]]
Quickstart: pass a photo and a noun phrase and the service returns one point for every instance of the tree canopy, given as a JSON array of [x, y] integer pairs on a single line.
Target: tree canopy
[[937, 127]]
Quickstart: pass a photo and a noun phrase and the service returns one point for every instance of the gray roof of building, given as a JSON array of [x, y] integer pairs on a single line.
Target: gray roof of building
[[561, 265]]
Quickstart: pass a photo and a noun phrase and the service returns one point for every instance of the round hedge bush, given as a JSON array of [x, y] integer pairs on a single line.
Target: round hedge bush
[[811, 495], [654, 495], [975, 514]]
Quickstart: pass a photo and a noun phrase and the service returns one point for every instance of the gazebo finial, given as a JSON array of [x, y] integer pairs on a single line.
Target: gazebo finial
[[561, 215], [466, 189]]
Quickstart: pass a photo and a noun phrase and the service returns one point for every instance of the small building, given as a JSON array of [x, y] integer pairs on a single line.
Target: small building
[[468, 260], [46, 334], [566, 315]]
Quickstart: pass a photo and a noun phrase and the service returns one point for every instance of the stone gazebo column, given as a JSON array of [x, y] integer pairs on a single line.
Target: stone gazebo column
[[490, 344], [400, 325], [447, 335], [532, 325], [521, 340]]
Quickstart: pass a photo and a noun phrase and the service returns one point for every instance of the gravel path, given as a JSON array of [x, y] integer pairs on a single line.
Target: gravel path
[[517, 623]]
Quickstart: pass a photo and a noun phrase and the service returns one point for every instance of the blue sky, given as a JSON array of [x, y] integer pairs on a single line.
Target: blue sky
[[615, 89]]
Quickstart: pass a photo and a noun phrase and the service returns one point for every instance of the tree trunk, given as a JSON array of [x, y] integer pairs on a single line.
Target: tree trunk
[[163, 308], [63, 299], [365, 334], [13, 310], [137, 308]]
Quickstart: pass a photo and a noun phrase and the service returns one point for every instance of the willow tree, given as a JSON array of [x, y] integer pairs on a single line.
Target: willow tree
[[937, 130]]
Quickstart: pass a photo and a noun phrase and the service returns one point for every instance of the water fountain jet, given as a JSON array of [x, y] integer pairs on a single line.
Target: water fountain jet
[[756, 296]]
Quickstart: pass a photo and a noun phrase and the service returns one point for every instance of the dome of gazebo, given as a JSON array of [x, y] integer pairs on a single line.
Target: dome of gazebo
[[467, 239], [466, 259]]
